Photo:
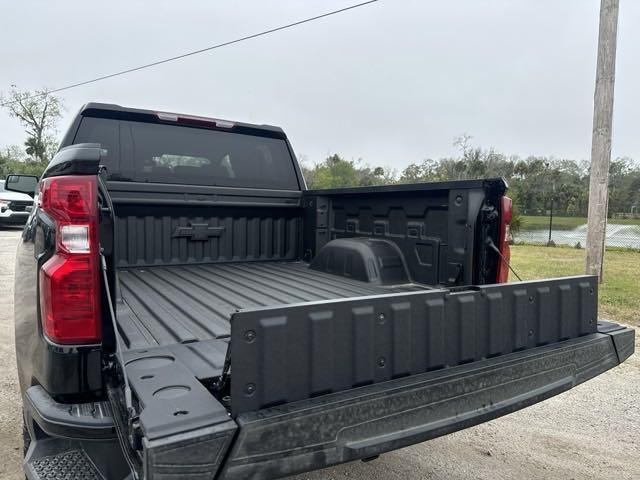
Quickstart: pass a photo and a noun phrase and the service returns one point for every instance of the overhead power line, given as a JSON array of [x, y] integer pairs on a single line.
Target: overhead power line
[[197, 52]]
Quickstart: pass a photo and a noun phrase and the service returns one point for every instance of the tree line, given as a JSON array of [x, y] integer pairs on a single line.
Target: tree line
[[537, 183]]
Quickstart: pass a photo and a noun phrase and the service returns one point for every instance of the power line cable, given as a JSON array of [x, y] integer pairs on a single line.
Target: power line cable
[[196, 52]]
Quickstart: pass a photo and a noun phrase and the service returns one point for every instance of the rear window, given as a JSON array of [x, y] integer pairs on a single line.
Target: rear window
[[159, 153]]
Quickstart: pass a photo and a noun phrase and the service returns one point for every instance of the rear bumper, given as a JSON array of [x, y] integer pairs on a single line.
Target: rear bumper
[[80, 421], [367, 421]]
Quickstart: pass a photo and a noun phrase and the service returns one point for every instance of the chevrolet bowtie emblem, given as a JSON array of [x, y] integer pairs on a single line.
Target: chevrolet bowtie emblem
[[198, 232]]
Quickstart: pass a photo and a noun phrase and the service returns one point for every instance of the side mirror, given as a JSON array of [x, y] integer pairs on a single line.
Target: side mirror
[[21, 184]]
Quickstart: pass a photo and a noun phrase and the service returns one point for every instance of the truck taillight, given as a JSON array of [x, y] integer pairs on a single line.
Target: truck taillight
[[69, 280], [506, 212]]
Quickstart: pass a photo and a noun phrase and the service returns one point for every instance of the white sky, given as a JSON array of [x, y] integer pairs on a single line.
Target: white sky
[[391, 83]]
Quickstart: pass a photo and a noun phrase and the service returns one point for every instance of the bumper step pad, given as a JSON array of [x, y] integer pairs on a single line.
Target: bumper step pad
[[55, 458], [70, 465]]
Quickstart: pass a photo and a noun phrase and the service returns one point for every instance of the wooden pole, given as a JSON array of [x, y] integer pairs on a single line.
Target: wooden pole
[[601, 137]]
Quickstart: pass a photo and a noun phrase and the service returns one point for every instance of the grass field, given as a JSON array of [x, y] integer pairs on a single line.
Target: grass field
[[530, 222], [619, 294]]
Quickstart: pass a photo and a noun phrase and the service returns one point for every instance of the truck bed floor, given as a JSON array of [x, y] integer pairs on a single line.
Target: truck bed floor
[[166, 305]]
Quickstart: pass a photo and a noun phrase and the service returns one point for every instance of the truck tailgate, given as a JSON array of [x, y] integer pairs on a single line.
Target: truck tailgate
[[370, 420], [296, 352]]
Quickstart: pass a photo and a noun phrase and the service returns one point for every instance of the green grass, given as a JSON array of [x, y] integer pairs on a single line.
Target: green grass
[[619, 295], [530, 222]]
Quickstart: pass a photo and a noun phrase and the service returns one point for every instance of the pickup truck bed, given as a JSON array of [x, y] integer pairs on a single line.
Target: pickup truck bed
[[187, 303]]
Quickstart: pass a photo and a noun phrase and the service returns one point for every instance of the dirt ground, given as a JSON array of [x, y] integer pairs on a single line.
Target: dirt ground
[[592, 431]]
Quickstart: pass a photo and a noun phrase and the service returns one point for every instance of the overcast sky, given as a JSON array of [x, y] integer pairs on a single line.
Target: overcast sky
[[391, 83]]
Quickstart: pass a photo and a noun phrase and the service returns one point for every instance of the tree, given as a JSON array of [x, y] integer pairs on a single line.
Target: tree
[[463, 143], [12, 160], [35, 148], [335, 172], [38, 112]]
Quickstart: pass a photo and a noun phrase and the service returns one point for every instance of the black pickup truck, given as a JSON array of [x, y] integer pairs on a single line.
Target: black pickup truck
[[186, 308]]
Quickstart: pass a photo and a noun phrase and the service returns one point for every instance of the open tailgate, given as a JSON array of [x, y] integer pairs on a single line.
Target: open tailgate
[[322, 383], [295, 352]]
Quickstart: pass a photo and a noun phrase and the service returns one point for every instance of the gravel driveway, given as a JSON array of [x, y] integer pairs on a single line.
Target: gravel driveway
[[592, 431]]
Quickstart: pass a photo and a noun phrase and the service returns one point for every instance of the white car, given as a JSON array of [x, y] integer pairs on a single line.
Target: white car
[[14, 207]]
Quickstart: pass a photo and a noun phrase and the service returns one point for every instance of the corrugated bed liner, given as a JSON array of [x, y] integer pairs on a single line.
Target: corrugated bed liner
[[182, 304]]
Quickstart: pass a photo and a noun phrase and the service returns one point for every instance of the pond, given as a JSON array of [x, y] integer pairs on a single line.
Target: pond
[[617, 236]]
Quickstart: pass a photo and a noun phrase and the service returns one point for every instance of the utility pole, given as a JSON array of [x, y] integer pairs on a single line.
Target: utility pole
[[601, 137], [553, 192]]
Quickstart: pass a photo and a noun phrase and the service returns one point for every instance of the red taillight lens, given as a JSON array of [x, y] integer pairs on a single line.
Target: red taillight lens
[[69, 280], [69, 300], [70, 199], [506, 212]]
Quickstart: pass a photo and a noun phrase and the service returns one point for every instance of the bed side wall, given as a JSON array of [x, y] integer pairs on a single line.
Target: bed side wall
[[437, 228]]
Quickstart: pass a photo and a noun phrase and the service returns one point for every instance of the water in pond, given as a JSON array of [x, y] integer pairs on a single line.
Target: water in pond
[[617, 236]]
